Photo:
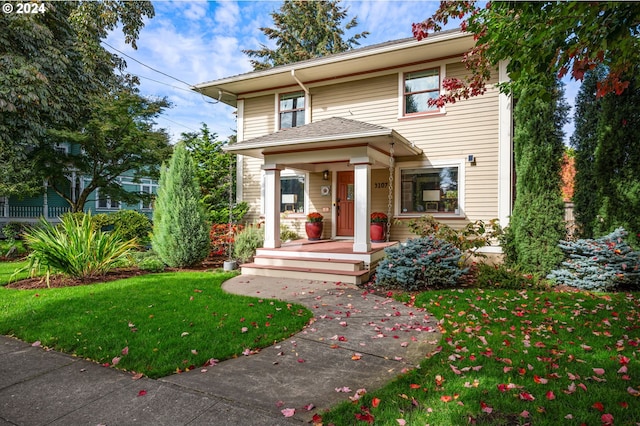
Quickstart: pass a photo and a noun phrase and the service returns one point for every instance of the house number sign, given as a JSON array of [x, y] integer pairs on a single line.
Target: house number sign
[[380, 185]]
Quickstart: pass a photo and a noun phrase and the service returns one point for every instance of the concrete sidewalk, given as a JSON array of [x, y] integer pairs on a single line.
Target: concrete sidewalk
[[358, 340]]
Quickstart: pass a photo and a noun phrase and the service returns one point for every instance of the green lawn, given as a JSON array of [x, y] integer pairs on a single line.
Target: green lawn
[[8, 268], [517, 357], [154, 324]]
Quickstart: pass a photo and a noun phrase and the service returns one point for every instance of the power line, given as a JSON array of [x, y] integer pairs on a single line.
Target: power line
[[145, 65]]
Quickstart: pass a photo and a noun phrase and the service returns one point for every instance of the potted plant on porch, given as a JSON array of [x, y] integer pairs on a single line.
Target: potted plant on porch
[[313, 226], [378, 229]]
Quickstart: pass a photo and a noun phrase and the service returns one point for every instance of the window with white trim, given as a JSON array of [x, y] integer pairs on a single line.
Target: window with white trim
[[147, 204], [430, 190], [292, 193], [291, 110], [106, 202], [419, 87]]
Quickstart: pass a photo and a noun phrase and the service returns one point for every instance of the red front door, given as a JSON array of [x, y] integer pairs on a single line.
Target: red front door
[[344, 204]]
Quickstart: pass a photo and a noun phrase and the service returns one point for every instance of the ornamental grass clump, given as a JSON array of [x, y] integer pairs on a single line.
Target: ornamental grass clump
[[74, 248], [601, 264], [420, 264]]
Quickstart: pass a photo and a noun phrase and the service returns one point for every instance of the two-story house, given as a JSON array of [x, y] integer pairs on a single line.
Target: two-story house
[[50, 205], [349, 134]]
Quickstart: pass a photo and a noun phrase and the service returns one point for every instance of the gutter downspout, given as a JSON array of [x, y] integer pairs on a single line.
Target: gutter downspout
[[307, 97]]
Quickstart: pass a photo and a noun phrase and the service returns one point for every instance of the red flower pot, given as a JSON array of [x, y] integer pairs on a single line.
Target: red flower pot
[[377, 231], [313, 230]]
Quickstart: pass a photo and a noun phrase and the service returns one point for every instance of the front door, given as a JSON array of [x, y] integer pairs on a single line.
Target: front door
[[344, 204]]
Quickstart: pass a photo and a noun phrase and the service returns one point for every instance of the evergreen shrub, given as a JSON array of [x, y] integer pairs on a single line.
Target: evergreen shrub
[[247, 242], [600, 264], [180, 233], [419, 264]]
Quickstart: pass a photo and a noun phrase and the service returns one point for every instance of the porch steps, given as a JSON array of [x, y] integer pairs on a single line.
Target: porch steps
[[321, 269]]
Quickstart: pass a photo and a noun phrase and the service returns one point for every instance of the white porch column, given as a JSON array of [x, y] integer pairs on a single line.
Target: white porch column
[[271, 205], [362, 205]]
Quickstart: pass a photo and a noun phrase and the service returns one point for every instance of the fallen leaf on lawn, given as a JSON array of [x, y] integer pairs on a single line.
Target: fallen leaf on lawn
[[633, 392], [36, 344], [599, 371], [184, 333], [115, 360], [137, 376], [358, 394], [540, 380], [526, 396], [375, 402], [569, 416], [125, 350], [439, 380], [316, 419], [288, 412], [486, 408], [244, 329], [194, 351], [607, 419], [598, 406], [401, 422], [582, 386], [142, 393], [550, 395], [524, 414], [446, 398], [414, 386]]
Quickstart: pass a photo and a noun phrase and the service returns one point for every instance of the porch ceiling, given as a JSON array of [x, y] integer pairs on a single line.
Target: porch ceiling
[[329, 134]]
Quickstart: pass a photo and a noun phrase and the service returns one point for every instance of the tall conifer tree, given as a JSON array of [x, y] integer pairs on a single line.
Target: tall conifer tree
[[305, 30], [180, 234], [537, 222]]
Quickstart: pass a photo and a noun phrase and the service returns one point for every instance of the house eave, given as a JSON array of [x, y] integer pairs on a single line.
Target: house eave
[[332, 67]]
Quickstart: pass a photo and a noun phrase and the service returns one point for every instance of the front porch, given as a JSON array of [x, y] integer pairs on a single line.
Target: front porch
[[325, 260]]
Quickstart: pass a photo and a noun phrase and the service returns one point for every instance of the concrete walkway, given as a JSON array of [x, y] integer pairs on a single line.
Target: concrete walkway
[[359, 340]]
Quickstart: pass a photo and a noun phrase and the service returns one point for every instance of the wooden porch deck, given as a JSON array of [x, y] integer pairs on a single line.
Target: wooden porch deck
[[324, 260]]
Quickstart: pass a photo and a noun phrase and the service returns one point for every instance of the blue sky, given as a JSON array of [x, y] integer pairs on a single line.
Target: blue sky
[[198, 41]]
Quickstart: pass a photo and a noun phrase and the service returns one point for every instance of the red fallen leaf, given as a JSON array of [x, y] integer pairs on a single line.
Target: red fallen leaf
[[550, 395], [115, 360], [414, 386], [356, 357], [309, 407], [582, 386], [633, 392], [288, 412], [598, 406], [623, 404], [622, 370], [375, 402], [485, 408], [599, 371], [316, 419], [125, 350], [446, 398], [142, 393], [526, 396], [439, 380], [365, 417], [540, 380], [300, 360], [137, 376], [607, 419]]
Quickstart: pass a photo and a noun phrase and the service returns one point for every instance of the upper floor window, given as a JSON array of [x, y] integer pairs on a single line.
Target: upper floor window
[[147, 204], [419, 87], [291, 110]]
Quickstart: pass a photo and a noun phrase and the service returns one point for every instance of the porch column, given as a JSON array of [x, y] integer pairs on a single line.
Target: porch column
[[271, 205], [362, 205]]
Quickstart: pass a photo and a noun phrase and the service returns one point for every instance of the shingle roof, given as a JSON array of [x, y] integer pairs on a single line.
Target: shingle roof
[[327, 129]]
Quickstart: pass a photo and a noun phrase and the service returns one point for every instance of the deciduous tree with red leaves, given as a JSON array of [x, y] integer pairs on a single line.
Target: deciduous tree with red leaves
[[540, 38]]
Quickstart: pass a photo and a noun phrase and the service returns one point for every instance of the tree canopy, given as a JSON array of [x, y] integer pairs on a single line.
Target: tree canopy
[[116, 138], [52, 64], [305, 30], [537, 38]]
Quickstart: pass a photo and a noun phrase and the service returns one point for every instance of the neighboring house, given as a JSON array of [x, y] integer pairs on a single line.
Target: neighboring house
[[351, 133], [50, 205]]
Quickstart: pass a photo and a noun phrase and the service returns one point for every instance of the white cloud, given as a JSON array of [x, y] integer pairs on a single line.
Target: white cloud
[[227, 15]]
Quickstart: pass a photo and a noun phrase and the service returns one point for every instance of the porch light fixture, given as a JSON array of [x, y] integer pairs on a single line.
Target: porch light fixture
[[325, 175]]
